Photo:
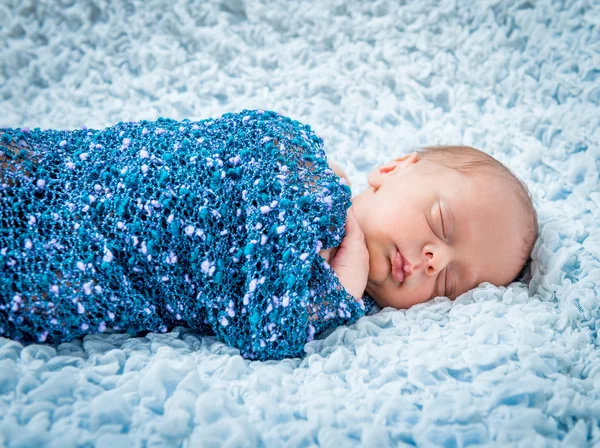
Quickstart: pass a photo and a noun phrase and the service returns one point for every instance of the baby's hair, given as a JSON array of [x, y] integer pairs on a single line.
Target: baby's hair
[[472, 162]]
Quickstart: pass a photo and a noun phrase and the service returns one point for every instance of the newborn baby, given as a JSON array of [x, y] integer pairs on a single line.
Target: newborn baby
[[440, 221], [217, 225]]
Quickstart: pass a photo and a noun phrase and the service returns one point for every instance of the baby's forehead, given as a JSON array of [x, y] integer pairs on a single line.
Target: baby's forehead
[[479, 181], [483, 193]]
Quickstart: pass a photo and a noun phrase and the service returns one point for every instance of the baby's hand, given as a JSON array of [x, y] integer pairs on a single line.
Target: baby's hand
[[351, 261]]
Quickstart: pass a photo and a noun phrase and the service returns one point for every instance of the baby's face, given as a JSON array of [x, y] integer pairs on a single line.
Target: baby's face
[[453, 233]]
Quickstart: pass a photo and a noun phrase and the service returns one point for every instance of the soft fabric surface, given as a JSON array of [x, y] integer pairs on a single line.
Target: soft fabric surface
[[515, 366]]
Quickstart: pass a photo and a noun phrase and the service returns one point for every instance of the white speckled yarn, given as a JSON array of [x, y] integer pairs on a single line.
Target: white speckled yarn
[[142, 226]]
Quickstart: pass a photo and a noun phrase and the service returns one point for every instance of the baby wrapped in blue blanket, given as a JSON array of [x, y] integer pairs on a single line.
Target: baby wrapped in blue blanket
[[215, 225], [222, 226]]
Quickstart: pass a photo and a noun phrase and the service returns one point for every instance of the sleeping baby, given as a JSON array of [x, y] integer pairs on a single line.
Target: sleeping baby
[[238, 227], [440, 221]]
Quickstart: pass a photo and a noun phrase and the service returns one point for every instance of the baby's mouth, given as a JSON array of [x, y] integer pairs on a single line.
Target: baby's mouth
[[397, 271]]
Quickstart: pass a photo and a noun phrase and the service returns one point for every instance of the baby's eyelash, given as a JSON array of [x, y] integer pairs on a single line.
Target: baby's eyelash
[[442, 220], [446, 283], [451, 291]]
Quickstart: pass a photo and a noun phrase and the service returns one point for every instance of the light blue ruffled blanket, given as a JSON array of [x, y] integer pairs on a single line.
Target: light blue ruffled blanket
[[515, 366]]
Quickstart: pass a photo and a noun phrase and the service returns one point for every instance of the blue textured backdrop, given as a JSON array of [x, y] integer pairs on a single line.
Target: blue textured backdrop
[[516, 366]]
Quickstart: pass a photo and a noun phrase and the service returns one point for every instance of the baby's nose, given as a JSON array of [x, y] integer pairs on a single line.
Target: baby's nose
[[430, 263]]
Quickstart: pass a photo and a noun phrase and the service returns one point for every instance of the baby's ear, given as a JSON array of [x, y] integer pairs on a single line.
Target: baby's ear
[[339, 171], [411, 157]]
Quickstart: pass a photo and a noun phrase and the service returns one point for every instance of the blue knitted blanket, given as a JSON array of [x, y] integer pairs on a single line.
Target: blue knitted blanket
[[215, 225]]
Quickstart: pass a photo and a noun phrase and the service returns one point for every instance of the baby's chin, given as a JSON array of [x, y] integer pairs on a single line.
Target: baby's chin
[[374, 294], [397, 298]]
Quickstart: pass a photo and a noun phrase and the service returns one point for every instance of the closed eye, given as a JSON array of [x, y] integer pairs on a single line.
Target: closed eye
[[447, 291], [446, 282], [442, 220]]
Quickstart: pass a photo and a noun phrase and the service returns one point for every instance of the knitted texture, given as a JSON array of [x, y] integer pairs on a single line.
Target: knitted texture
[[213, 225]]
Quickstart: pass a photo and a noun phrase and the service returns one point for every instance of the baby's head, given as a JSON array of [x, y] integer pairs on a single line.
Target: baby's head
[[457, 216]]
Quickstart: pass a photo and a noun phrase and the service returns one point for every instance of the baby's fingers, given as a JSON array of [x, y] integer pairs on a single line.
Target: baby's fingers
[[353, 230]]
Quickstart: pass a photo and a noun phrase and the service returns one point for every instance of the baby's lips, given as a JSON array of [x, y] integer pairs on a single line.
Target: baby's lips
[[406, 266], [397, 267]]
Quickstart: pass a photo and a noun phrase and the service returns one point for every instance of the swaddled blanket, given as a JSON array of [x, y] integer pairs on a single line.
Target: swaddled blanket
[[215, 225]]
